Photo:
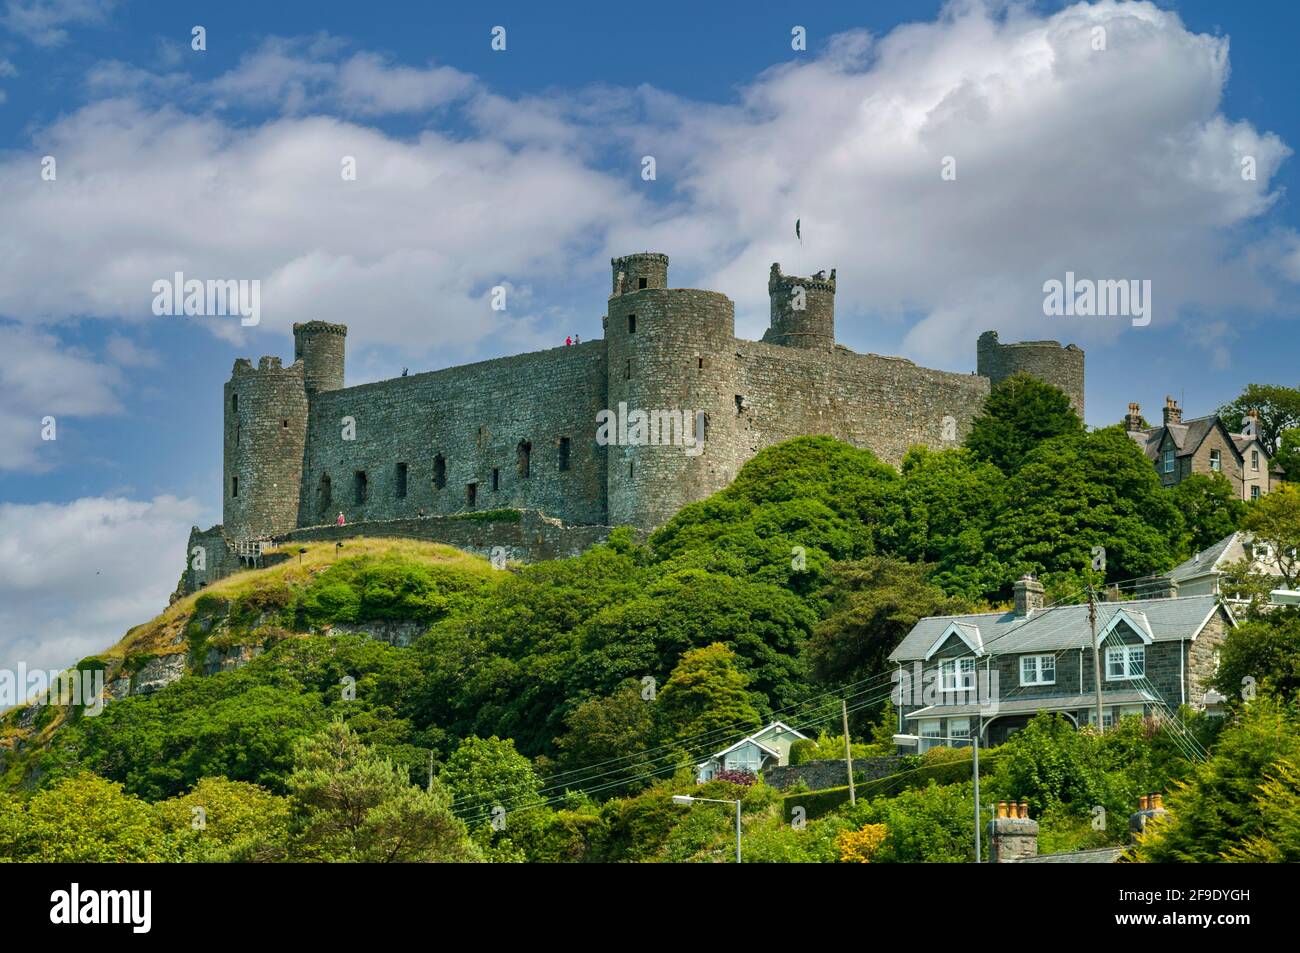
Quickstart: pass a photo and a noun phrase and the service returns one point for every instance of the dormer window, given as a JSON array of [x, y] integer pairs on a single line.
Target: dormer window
[[1169, 461], [1125, 662], [957, 675]]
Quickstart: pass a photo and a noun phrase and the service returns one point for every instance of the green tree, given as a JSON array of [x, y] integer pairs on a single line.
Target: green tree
[[1279, 410], [615, 731], [222, 820], [1080, 491], [86, 819], [1264, 652], [1274, 519], [1278, 801], [706, 695], [1288, 454], [486, 773], [351, 805], [1020, 413], [1219, 807], [1210, 507], [875, 602]]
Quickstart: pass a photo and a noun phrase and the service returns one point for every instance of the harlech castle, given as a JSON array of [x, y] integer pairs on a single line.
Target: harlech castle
[[506, 455]]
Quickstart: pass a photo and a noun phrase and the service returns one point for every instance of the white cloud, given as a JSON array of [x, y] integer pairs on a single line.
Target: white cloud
[[74, 577], [1114, 163], [43, 21], [39, 377]]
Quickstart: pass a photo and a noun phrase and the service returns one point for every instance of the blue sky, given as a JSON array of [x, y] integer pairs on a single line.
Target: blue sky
[[523, 167]]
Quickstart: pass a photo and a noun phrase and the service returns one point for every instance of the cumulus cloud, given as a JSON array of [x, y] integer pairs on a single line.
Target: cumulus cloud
[[74, 577], [43, 22], [1111, 163], [39, 378]]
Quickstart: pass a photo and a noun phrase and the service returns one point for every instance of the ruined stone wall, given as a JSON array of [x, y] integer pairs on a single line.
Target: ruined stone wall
[[1047, 360], [475, 418]]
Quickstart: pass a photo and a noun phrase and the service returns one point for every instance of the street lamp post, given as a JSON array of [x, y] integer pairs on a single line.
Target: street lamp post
[[687, 799]]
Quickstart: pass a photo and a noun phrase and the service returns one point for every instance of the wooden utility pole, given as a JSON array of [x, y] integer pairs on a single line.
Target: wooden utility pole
[[848, 750], [975, 778], [1096, 654]]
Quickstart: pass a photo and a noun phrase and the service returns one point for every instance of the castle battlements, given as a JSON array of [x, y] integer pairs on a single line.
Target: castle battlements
[[521, 432]]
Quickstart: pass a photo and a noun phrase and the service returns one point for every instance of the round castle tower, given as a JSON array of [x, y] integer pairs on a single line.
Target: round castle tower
[[803, 309], [671, 355], [265, 434], [1059, 366], [319, 345]]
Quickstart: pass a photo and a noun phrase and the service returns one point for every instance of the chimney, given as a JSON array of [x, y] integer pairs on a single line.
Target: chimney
[[1150, 807], [1253, 414], [1173, 413], [1134, 419], [1029, 596], [1013, 835]]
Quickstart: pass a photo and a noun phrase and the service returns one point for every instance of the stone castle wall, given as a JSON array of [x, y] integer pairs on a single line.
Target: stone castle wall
[[1059, 366]]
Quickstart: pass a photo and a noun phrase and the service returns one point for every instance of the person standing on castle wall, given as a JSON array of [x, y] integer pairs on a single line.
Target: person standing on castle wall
[[568, 341], [340, 521]]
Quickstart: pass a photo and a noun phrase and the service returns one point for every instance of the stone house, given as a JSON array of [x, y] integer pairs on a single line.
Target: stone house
[[991, 672], [1178, 448], [767, 748]]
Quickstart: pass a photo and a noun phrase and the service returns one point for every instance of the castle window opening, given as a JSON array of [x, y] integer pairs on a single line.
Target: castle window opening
[[471, 493], [700, 362], [360, 484], [704, 430], [401, 480], [631, 324], [628, 375], [482, 432], [234, 403], [239, 432], [640, 284], [740, 403], [324, 496], [524, 452], [630, 465], [496, 479], [439, 472], [284, 423], [564, 453], [234, 486]]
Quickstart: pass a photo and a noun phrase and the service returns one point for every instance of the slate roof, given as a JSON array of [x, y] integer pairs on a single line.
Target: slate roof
[[1187, 435], [1207, 560], [1027, 706], [1097, 855], [1060, 627]]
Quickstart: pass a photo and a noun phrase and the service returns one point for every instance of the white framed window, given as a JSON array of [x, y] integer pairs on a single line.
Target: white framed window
[[1038, 670], [1169, 461], [1107, 717], [1254, 459], [958, 732], [931, 734], [1254, 492], [957, 675], [1125, 661], [1216, 461]]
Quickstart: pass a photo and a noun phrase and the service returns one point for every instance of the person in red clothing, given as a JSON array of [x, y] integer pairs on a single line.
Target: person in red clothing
[[340, 521], [568, 342]]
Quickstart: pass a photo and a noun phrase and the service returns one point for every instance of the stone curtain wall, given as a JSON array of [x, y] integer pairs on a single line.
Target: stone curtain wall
[[531, 538], [884, 404], [475, 416]]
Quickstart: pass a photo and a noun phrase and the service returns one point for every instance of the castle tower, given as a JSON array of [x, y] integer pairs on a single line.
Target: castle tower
[[670, 355], [803, 309], [319, 345], [1059, 366], [638, 272], [265, 434]]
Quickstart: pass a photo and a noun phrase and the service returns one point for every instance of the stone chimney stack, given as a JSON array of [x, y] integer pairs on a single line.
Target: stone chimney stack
[[1173, 413], [1150, 807], [1013, 835], [1134, 419], [1253, 415], [1029, 596]]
